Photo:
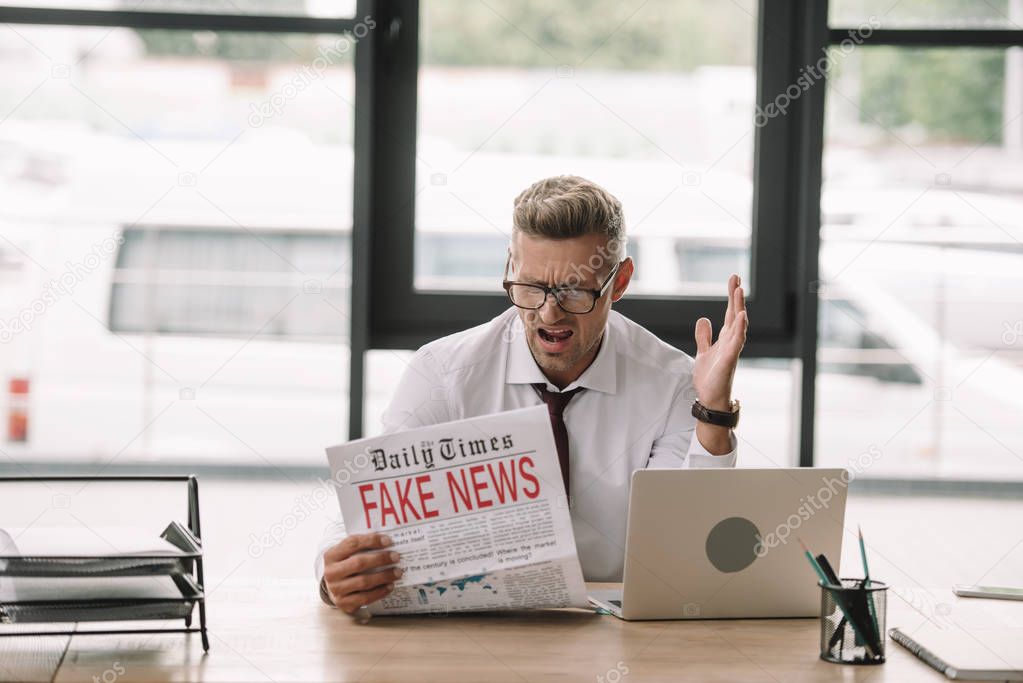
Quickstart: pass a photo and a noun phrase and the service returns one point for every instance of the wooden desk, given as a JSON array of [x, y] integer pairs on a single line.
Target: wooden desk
[[279, 631]]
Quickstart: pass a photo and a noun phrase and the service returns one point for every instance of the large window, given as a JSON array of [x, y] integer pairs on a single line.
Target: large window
[[176, 217], [921, 343], [652, 100]]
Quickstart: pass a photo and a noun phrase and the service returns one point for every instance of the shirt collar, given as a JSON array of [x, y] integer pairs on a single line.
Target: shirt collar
[[601, 375]]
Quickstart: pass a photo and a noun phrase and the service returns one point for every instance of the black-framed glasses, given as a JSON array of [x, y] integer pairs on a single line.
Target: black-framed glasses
[[571, 299]]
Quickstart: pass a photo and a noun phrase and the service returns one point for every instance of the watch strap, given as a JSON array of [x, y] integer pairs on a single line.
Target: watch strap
[[719, 418]]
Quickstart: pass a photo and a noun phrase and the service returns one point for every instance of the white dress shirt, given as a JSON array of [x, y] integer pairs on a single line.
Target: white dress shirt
[[633, 414]]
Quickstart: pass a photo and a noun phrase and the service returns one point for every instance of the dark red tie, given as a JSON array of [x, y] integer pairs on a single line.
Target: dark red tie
[[556, 403]]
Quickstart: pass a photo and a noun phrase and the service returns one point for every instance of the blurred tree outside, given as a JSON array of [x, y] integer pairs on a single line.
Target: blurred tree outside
[[665, 35], [953, 95]]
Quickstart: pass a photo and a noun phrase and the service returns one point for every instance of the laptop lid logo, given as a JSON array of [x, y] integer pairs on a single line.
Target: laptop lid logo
[[731, 544]]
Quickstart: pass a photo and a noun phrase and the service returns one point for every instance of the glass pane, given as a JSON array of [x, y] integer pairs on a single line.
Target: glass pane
[[175, 222], [316, 8], [654, 101], [921, 345], [927, 13]]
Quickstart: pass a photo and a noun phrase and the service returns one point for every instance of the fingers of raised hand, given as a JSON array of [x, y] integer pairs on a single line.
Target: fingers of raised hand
[[733, 285], [736, 301], [741, 327], [704, 335]]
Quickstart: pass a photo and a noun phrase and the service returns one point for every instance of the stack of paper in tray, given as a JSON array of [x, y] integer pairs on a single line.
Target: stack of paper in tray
[[57, 574]]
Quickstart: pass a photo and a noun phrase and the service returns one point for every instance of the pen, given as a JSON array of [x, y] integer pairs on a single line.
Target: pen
[[843, 605], [828, 570]]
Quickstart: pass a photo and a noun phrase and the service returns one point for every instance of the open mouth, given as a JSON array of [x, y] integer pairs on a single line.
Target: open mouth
[[554, 337]]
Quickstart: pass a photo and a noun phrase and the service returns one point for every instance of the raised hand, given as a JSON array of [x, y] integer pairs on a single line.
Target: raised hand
[[716, 362]]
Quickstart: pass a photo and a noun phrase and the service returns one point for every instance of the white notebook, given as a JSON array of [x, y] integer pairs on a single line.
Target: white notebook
[[26, 588], [974, 654]]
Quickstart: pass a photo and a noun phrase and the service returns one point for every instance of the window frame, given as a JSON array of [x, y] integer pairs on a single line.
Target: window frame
[[404, 318], [386, 311], [833, 36], [364, 144]]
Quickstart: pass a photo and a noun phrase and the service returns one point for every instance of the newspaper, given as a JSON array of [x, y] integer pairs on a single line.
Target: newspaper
[[476, 508]]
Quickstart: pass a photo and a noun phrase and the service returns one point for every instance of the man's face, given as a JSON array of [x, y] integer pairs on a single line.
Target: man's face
[[564, 344]]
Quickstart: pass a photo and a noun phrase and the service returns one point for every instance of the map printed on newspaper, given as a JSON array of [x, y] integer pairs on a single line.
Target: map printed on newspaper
[[475, 507]]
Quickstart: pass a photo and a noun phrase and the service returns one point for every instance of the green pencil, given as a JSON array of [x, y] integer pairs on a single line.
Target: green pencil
[[814, 564], [863, 556], [866, 583]]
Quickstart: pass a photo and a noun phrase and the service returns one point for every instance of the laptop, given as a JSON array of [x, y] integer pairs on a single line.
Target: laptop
[[722, 543]]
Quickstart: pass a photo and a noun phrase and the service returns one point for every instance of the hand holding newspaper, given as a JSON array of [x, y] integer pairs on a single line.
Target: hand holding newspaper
[[476, 508]]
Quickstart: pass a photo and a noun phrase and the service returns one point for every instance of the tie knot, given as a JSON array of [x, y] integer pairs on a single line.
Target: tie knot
[[556, 401]]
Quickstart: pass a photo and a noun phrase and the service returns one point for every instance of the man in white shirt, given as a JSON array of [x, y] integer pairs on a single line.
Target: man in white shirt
[[619, 398]]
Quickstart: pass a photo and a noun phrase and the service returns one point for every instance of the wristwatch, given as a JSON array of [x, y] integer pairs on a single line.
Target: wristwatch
[[718, 418]]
